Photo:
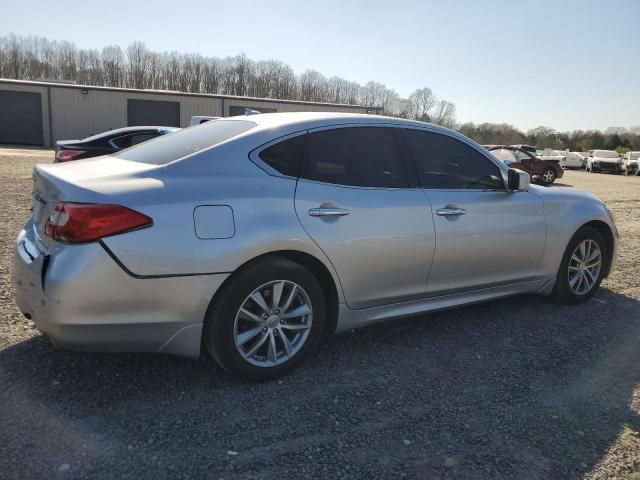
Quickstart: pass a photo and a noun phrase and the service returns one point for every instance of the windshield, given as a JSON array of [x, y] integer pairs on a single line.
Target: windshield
[[605, 154], [178, 145]]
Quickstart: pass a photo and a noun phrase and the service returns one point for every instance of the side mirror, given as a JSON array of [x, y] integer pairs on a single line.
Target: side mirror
[[518, 180]]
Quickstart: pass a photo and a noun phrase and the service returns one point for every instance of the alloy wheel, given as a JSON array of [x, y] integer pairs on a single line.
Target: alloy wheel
[[548, 176], [584, 267], [273, 323]]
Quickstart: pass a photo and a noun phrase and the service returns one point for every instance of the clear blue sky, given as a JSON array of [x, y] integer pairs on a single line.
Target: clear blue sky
[[565, 64]]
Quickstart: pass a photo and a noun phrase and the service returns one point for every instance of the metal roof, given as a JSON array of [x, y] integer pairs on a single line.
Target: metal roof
[[175, 92]]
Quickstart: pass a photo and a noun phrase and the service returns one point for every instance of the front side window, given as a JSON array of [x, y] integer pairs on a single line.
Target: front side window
[[521, 155], [356, 156], [444, 162], [504, 154]]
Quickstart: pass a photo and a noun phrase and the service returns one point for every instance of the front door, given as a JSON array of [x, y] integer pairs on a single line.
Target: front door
[[485, 235], [355, 202]]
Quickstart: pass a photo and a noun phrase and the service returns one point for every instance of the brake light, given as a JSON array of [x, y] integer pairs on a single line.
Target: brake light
[[88, 222], [68, 155]]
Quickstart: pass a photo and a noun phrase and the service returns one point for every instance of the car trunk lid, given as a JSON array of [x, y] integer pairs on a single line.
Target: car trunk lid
[[99, 180]]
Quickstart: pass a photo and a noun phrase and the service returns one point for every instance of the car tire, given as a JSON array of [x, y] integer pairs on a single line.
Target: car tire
[[549, 176], [226, 328], [567, 289]]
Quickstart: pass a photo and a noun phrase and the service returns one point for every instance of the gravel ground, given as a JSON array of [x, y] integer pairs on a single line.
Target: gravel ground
[[520, 388]]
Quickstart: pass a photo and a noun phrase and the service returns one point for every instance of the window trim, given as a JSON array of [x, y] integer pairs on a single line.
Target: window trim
[[502, 168], [254, 155], [412, 181]]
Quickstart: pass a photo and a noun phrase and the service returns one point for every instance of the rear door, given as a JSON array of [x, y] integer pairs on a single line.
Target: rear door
[[485, 235], [356, 200]]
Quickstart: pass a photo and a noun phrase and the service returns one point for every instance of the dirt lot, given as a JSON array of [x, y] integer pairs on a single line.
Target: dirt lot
[[521, 388]]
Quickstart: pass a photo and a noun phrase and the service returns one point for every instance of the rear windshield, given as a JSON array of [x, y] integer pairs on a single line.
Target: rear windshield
[[177, 145]]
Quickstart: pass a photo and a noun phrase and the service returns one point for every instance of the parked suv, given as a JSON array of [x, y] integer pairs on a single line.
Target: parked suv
[[542, 171], [630, 162], [604, 161]]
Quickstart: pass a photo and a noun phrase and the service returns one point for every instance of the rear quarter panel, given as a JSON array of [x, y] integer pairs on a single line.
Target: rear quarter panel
[[263, 214]]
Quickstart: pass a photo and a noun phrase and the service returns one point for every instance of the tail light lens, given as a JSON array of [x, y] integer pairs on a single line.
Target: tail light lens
[[68, 155], [88, 222]]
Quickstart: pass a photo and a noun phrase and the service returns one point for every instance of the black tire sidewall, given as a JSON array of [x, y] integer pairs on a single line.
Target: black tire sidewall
[[562, 291], [219, 322]]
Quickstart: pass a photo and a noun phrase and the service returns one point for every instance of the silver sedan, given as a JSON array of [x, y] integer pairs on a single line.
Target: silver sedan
[[251, 237]]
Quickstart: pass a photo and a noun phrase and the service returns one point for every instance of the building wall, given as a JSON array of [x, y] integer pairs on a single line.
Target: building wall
[[76, 115]]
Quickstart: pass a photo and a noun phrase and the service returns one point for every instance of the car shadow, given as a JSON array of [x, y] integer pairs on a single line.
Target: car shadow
[[517, 387]]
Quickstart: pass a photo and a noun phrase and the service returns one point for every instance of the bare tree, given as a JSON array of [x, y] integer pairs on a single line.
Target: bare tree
[[423, 101]]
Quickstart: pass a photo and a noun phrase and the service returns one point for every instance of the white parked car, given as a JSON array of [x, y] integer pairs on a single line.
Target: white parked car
[[198, 119], [630, 161], [604, 161], [584, 158], [572, 160]]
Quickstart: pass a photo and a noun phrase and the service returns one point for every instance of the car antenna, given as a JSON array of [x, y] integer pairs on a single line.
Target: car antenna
[[251, 111]]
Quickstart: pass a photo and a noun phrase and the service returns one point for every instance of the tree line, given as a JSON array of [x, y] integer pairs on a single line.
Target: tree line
[[613, 138], [36, 58]]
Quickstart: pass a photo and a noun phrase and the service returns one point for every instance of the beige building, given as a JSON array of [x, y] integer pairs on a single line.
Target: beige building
[[41, 113]]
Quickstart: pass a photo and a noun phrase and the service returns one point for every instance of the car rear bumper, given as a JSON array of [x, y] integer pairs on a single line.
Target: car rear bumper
[[82, 300]]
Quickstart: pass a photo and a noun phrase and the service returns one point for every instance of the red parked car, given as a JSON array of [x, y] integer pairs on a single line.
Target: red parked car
[[541, 171]]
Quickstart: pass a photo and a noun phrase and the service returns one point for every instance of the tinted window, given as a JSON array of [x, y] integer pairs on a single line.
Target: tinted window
[[127, 141], [444, 162], [359, 156], [168, 148], [286, 156]]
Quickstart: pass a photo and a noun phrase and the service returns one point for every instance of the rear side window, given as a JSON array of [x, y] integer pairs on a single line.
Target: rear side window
[[127, 141], [286, 156], [168, 148], [356, 156], [444, 162]]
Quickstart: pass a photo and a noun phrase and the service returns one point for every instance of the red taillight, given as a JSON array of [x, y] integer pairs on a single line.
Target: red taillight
[[87, 222], [68, 155]]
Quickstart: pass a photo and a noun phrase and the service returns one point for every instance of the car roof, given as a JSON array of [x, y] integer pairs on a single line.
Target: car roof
[[318, 119]]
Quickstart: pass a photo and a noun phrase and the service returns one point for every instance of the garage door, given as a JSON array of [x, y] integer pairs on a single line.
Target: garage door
[[21, 118], [153, 112]]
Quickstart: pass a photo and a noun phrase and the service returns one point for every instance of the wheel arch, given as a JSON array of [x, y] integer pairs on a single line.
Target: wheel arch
[[605, 230], [316, 266]]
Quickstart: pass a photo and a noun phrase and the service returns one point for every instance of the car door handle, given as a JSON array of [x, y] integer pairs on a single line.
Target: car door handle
[[449, 211], [328, 212]]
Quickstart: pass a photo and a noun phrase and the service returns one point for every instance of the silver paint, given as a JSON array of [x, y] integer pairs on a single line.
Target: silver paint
[[389, 252]]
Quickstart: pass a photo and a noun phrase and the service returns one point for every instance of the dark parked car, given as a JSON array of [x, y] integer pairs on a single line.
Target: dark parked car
[[106, 143], [543, 171]]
